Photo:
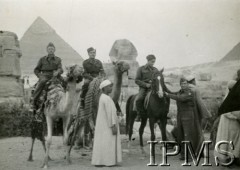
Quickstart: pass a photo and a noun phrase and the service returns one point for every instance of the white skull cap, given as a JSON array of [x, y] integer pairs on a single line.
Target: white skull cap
[[105, 83]]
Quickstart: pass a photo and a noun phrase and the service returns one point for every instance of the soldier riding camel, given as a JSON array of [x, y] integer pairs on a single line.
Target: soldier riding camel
[[48, 67], [92, 68]]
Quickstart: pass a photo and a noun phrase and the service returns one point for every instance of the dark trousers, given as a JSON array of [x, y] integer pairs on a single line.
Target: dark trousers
[[140, 99], [40, 86]]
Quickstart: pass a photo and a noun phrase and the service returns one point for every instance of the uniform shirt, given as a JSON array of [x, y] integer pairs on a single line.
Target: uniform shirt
[[144, 75], [92, 67], [184, 98], [48, 64]]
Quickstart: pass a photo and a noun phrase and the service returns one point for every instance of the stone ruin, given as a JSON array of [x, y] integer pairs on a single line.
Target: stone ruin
[[11, 86], [204, 77]]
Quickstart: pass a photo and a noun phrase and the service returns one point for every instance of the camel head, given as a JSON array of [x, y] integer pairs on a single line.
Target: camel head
[[121, 66], [74, 73]]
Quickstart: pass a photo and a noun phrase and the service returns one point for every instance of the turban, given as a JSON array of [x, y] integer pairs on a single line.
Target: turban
[[90, 49], [230, 84], [50, 45], [105, 83], [150, 57]]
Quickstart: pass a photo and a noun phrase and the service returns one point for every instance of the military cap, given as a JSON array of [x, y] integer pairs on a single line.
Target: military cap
[[90, 49], [50, 45], [190, 77], [183, 79], [150, 57]]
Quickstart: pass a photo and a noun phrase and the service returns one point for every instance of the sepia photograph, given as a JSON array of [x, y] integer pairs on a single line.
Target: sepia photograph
[[119, 84]]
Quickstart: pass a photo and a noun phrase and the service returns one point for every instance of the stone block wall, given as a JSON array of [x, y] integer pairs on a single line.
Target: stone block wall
[[11, 87]]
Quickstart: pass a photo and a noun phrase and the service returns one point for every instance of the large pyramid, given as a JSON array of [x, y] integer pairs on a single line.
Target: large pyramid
[[234, 54], [33, 45]]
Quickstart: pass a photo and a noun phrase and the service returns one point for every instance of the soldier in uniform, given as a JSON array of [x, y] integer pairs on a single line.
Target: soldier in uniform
[[188, 117], [48, 66], [92, 68], [143, 80]]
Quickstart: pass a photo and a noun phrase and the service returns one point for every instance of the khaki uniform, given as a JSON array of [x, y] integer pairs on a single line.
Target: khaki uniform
[[143, 77], [188, 119], [44, 71]]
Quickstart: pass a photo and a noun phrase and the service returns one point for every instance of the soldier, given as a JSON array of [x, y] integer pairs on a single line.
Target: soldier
[[143, 80], [92, 68], [48, 66], [188, 117]]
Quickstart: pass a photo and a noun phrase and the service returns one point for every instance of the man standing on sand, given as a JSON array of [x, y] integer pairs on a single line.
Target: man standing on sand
[[107, 143]]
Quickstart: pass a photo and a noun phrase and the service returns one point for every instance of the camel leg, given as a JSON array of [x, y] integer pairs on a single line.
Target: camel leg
[[91, 132], [77, 142], [87, 133], [130, 128], [84, 134], [30, 155], [48, 141], [44, 147], [78, 136], [141, 130], [65, 139]]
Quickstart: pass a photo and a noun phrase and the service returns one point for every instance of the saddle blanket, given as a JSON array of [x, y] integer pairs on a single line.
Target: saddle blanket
[[146, 101]]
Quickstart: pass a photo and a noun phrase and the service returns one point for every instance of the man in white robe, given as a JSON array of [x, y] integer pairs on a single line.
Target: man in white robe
[[107, 143]]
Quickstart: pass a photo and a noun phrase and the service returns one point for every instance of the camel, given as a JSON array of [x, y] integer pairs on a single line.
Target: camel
[[119, 68], [61, 108]]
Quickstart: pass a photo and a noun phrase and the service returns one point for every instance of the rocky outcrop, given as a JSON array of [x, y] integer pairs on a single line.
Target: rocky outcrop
[[204, 77]]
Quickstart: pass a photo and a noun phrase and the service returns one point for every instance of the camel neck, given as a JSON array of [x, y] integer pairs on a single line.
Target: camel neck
[[70, 94], [116, 86]]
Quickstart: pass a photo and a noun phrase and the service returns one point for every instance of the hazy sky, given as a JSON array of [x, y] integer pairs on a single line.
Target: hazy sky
[[179, 33]]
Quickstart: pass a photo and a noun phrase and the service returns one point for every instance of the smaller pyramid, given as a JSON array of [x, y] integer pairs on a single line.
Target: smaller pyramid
[[34, 42], [233, 54]]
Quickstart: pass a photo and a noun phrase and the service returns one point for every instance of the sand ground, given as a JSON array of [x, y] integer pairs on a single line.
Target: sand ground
[[15, 151]]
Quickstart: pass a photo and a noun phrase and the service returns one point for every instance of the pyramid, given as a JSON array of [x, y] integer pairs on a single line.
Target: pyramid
[[33, 45], [234, 54]]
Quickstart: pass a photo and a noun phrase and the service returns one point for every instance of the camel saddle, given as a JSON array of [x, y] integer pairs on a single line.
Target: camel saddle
[[40, 103]]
